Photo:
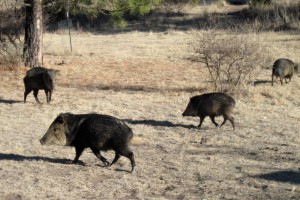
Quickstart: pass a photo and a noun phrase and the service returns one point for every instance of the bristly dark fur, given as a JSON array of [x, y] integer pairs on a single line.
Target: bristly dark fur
[[212, 105], [39, 78], [284, 69], [94, 131]]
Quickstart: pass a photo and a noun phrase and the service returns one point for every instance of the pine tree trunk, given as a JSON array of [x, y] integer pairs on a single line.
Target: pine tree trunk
[[33, 41]]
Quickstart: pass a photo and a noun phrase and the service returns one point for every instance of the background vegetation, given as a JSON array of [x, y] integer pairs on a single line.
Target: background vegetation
[[229, 57]]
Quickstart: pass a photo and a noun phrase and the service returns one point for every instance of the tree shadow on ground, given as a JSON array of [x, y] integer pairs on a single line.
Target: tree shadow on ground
[[282, 176], [241, 17], [151, 122], [132, 88], [162, 21], [5, 101], [17, 157]]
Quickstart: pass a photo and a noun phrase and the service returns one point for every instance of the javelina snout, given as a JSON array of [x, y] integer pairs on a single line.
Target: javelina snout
[[94, 131], [284, 69], [212, 105], [39, 78], [190, 110]]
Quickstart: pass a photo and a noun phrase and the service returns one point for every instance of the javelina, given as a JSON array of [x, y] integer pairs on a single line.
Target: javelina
[[284, 69], [39, 78], [212, 105], [98, 132]]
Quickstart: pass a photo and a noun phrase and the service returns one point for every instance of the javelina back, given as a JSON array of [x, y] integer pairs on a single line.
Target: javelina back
[[94, 131], [212, 105], [284, 69], [39, 78]]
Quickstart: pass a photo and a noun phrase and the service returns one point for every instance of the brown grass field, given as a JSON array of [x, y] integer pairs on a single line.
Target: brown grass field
[[146, 79]]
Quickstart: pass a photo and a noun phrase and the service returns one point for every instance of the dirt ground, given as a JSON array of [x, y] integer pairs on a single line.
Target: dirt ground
[[145, 79]]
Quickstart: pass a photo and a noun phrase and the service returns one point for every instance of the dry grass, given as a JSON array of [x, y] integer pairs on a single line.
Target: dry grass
[[145, 79]]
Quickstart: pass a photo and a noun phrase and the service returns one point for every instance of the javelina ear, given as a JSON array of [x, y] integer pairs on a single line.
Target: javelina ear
[[60, 119]]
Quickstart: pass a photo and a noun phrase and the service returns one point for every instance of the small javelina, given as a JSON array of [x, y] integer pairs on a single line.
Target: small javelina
[[284, 69], [39, 78], [94, 131], [212, 105]]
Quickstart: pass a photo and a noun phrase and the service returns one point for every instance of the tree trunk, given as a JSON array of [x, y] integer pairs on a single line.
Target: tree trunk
[[33, 41]]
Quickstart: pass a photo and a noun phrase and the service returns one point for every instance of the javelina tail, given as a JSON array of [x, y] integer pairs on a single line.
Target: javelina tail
[[48, 81]]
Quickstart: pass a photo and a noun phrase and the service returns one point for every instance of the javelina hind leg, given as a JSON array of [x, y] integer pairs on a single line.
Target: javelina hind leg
[[35, 93], [201, 121], [117, 156], [50, 95], [98, 154], [281, 81], [231, 119], [128, 154], [79, 151], [212, 118], [47, 95], [27, 91]]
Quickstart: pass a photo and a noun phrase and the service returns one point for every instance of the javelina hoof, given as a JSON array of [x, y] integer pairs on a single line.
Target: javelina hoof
[[106, 164]]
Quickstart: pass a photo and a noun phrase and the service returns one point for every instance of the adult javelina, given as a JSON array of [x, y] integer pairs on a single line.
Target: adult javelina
[[98, 132], [284, 69], [212, 105], [39, 78]]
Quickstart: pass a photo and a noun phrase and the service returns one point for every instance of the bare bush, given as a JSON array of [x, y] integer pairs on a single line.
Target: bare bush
[[231, 59]]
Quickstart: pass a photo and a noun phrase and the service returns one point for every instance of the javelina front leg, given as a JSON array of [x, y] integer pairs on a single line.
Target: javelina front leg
[[26, 93], [201, 121], [79, 151], [212, 118], [98, 154], [35, 93]]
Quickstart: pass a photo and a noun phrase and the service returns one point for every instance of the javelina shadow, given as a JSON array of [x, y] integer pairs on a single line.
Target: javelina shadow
[[261, 82], [151, 122], [17, 157], [282, 176], [123, 170], [9, 101]]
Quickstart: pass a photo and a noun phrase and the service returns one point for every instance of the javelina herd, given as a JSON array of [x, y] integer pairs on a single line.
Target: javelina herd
[[94, 131], [102, 132], [39, 78], [284, 69]]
